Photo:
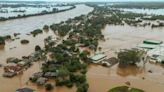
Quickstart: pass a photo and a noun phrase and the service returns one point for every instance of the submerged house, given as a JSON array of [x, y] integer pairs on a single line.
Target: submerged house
[[147, 46], [98, 58], [9, 74], [155, 50], [150, 41], [25, 90], [150, 44], [157, 54]]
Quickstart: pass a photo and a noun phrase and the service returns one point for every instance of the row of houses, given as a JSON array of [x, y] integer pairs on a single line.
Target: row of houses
[[155, 50], [17, 66]]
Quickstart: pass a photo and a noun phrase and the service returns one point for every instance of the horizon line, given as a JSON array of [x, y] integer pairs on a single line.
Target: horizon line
[[76, 1]]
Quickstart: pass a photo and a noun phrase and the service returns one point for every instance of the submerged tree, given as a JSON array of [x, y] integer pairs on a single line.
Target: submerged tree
[[82, 87], [129, 57], [125, 89], [2, 41], [37, 48], [48, 87]]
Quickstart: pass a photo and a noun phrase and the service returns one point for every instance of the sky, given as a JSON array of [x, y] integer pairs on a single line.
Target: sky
[[86, 0]]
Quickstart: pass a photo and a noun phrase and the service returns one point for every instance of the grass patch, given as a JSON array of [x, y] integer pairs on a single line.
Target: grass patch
[[125, 89]]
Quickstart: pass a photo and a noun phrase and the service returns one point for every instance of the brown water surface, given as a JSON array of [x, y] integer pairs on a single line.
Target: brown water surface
[[125, 37], [16, 49], [100, 79]]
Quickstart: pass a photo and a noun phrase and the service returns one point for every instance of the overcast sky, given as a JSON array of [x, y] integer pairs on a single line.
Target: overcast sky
[[84, 0]]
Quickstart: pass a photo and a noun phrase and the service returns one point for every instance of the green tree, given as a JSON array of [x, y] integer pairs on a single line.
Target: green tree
[[129, 57], [48, 87], [2, 41], [37, 48], [125, 89], [82, 87]]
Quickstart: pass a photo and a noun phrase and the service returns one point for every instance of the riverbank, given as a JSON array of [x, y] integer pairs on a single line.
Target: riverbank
[[37, 14], [27, 25]]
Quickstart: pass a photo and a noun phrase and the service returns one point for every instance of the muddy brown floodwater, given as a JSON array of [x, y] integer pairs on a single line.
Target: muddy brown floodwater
[[124, 37], [16, 49], [100, 79]]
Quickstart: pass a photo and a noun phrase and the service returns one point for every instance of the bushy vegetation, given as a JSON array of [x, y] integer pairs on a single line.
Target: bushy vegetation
[[2, 40], [155, 17], [33, 79], [37, 48], [46, 27], [118, 17], [68, 62], [62, 29], [36, 32], [7, 37], [125, 89], [129, 57], [24, 41], [48, 87], [140, 5]]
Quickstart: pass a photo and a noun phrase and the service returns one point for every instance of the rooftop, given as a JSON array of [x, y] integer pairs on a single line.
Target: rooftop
[[159, 50], [25, 90], [98, 57], [147, 46], [150, 41]]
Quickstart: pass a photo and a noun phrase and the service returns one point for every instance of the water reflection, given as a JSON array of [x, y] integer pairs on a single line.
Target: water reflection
[[131, 70], [2, 47]]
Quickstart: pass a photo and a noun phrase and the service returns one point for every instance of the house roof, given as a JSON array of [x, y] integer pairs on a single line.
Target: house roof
[[25, 90], [150, 41], [157, 51], [98, 57], [147, 46]]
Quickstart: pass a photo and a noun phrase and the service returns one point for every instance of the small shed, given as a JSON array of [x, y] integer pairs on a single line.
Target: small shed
[[98, 58], [155, 42]]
